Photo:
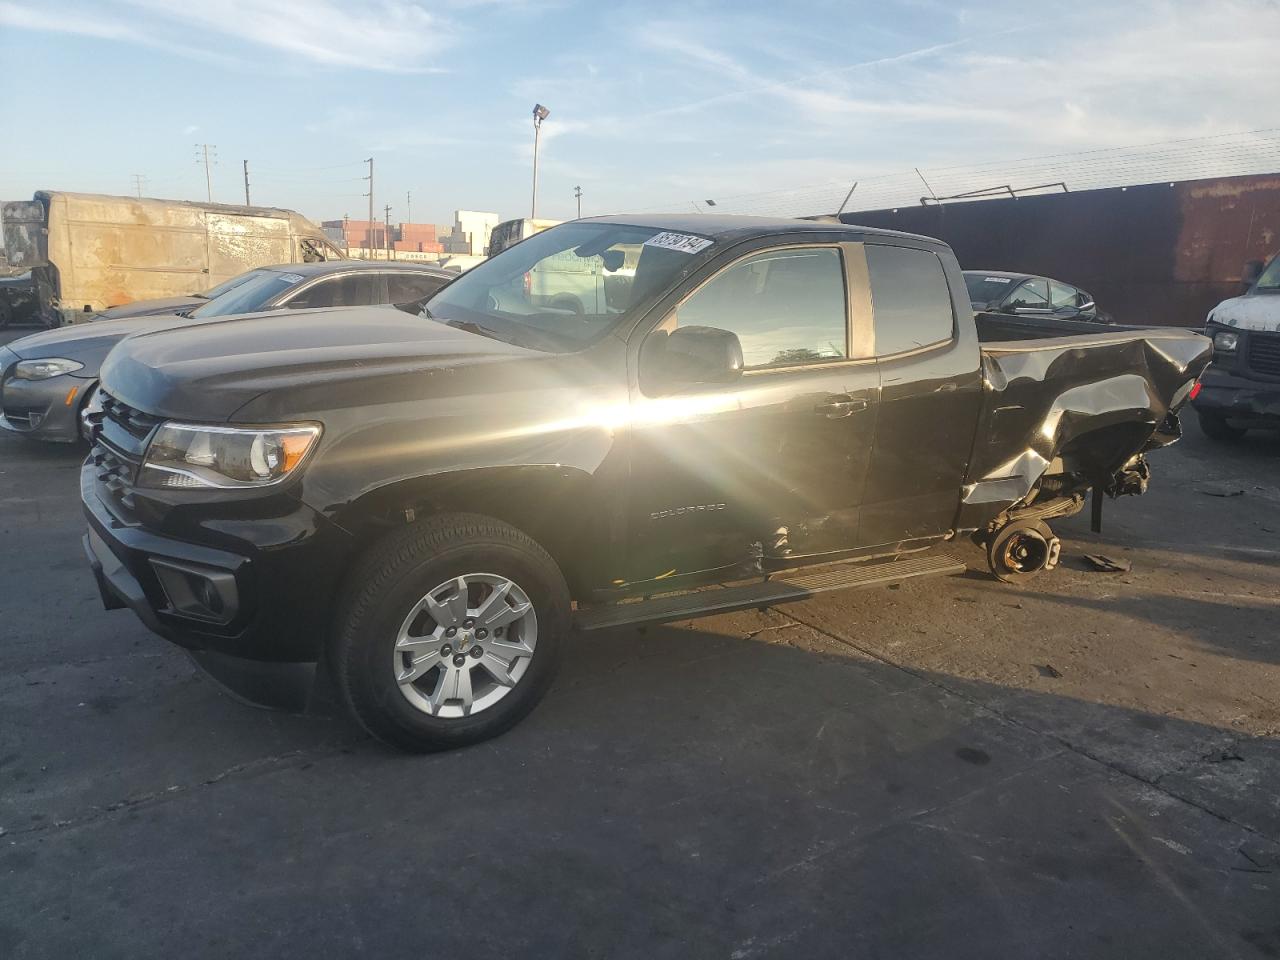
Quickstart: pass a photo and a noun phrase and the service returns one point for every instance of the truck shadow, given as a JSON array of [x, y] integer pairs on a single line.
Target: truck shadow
[[729, 782]]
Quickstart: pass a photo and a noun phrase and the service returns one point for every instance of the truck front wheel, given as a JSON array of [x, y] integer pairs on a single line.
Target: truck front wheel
[[449, 632]]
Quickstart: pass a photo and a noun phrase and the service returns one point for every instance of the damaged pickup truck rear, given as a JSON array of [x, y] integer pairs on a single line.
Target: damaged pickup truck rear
[[743, 412]]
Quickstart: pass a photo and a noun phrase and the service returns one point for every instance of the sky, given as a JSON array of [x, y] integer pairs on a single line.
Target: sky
[[653, 104]]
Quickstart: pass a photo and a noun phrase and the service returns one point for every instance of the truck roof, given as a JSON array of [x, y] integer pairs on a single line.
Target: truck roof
[[719, 226]]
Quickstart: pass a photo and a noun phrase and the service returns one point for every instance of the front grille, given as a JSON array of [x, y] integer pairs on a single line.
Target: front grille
[[136, 423], [1264, 353], [115, 472]]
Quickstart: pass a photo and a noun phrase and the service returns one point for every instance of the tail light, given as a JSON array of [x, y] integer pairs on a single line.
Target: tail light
[[1195, 391]]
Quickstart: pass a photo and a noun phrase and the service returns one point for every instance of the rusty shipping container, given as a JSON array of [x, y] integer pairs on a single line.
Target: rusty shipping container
[[1160, 253]]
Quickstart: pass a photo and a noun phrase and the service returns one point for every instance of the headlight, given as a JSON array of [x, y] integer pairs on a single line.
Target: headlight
[[44, 369], [194, 455], [1225, 341]]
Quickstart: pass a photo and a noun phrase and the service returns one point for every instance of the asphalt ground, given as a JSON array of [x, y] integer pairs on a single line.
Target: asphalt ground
[[1088, 766]]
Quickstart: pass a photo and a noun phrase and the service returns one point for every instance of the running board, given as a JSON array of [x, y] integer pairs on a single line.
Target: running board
[[765, 593]]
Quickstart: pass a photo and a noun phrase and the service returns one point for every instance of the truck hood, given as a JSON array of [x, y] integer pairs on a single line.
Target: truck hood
[[1249, 312], [294, 362], [87, 343]]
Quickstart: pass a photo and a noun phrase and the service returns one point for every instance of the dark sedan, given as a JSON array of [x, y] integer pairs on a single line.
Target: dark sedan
[[1024, 294], [48, 380]]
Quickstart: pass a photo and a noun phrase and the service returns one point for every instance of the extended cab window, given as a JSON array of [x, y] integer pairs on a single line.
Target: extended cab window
[[786, 306], [911, 301]]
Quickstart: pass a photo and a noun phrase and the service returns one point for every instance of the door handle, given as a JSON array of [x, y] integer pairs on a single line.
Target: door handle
[[841, 407]]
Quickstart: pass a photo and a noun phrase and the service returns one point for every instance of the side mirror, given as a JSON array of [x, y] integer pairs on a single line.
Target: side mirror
[[691, 356], [1250, 274]]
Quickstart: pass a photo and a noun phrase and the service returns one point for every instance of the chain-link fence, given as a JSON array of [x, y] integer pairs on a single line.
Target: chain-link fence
[[1225, 155]]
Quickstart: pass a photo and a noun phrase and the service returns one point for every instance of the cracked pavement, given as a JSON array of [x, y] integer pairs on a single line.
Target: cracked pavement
[[881, 773]]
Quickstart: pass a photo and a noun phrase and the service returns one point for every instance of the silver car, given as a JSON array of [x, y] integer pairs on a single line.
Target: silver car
[[48, 380]]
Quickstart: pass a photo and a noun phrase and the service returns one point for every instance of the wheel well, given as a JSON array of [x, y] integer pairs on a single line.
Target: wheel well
[[556, 506], [1099, 453]]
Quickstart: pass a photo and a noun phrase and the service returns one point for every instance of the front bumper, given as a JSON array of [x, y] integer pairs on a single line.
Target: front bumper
[[1241, 399], [44, 409], [271, 575]]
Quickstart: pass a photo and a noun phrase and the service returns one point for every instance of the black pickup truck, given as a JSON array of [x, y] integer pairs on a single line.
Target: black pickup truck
[[733, 412]]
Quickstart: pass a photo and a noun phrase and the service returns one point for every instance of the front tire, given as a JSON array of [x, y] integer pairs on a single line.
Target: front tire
[[449, 632], [1215, 427]]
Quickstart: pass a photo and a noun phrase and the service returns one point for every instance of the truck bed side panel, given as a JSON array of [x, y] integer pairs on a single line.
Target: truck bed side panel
[[1094, 400]]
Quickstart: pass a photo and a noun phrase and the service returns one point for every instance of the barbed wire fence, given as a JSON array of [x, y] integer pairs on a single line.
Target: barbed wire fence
[[1220, 155]]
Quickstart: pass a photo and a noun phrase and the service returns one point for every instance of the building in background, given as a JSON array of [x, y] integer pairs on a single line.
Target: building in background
[[406, 239], [1157, 253], [468, 235]]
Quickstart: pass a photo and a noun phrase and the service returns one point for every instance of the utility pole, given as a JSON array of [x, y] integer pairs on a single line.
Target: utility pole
[[138, 181], [369, 241], [346, 227], [246, 184], [577, 195], [408, 207], [202, 156], [386, 237]]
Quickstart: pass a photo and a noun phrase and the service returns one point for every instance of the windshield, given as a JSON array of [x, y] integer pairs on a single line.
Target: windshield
[[567, 286], [254, 294], [226, 285], [987, 289], [1270, 279]]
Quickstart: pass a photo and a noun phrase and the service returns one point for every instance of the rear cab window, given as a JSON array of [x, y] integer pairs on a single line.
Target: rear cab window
[[910, 298]]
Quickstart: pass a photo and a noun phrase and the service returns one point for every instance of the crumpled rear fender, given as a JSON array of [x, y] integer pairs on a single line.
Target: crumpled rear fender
[[1082, 406]]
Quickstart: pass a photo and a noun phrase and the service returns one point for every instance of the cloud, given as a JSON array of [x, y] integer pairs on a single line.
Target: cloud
[[191, 128], [399, 36], [65, 20]]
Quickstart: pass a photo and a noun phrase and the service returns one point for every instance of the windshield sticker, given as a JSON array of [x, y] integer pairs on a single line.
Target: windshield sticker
[[997, 279], [684, 242], [291, 277]]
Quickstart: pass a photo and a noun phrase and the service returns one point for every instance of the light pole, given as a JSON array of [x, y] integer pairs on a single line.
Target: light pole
[[540, 113]]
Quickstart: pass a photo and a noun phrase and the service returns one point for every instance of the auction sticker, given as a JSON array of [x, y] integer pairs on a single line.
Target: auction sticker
[[684, 242], [292, 277], [997, 279]]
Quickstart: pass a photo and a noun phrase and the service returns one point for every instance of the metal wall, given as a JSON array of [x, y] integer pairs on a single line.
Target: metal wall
[[1161, 253]]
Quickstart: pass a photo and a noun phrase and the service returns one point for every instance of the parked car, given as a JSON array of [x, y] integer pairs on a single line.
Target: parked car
[[87, 252], [168, 305], [427, 504], [48, 380], [1241, 388], [998, 291]]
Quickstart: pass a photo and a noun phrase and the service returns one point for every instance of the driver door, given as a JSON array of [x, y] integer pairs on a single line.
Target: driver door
[[771, 466]]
